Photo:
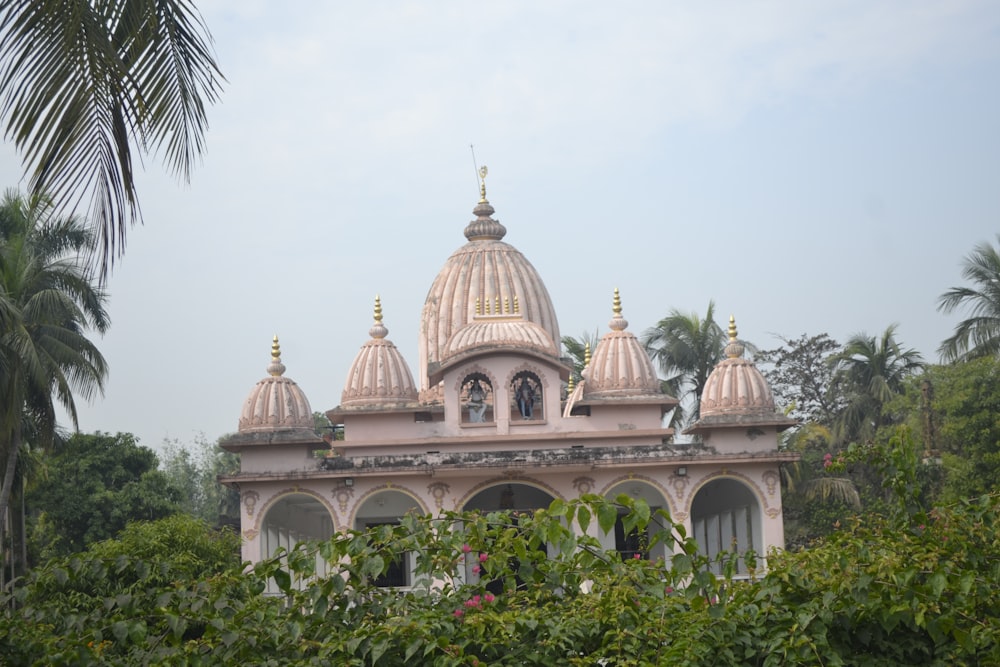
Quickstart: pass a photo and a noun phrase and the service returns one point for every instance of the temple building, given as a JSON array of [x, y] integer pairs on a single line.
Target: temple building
[[496, 421]]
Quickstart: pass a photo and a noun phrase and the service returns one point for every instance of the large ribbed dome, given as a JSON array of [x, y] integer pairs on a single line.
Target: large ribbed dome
[[276, 402], [619, 365], [498, 332], [484, 269], [379, 374]]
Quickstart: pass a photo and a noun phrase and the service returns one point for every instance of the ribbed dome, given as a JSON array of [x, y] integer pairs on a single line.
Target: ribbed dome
[[379, 374], [736, 386], [484, 269], [276, 402], [619, 365], [499, 333]]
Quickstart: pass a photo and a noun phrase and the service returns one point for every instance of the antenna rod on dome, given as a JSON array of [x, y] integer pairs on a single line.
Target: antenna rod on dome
[[480, 176], [475, 165]]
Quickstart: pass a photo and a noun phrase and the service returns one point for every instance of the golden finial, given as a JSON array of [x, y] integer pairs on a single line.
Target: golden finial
[[517, 305], [617, 304], [586, 355], [275, 348], [498, 311], [570, 385], [734, 349], [482, 184], [732, 328], [479, 306], [378, 309], [275, 368], [506, 305], [489, 305]]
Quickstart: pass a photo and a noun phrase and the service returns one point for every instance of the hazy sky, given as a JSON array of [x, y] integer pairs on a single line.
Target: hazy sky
[[811, 166]]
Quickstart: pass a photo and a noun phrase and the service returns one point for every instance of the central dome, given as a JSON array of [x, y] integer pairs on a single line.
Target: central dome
[[486, 270]]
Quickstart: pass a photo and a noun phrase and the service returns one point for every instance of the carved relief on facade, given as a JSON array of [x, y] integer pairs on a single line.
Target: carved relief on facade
[[773, 512], [343, 495], [679, 485], [438, 491], [583, 485], [250, 499], [771, 480], [250, 533]]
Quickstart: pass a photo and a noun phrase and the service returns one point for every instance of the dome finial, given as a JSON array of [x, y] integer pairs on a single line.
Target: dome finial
[[275, 368], [617, 323], [734, 350], [586, 355], [378, 329], [482, 184]]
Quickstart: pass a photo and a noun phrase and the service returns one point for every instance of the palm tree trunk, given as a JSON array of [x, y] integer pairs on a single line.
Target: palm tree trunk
[[8, 477]]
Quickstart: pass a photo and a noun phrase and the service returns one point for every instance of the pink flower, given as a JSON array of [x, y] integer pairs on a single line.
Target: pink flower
[[475, 569], [482, 558], [636, 556], [466, 548], [670, 589], [458, 613], [488, 597]]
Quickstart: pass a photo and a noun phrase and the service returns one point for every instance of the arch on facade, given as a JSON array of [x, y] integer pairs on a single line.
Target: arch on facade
[[727, 518], [634, 543], [291, 518], [387, 505], [476, 397]]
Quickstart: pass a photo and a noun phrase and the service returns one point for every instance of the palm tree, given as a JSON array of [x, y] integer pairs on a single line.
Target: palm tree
[[48, 301], [85, 82], [686, 348], [577, 349], [870, 372], [978, 335]]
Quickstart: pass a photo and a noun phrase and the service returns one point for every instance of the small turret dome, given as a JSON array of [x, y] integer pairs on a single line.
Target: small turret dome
[[276, 402], [619, 365], [736, 393], [379, 374]]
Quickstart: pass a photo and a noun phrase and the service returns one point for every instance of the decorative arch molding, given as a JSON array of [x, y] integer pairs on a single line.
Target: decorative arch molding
[[472, 369], [534, 369], [506, 479], [651, 481], [382, 488], [739, 477], [293, 491]]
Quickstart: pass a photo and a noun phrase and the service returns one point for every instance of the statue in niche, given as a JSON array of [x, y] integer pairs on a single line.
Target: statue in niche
[[525, 399], [477, 403]]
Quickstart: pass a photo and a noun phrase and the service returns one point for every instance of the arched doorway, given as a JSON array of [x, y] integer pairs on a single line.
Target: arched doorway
[[636, 543], [387, 507], [515, 497], [294, 518], [726, 517]]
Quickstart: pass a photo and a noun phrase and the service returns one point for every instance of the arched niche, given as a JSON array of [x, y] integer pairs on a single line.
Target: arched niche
[[294, 518], [726, 517], [636, 543], [387, 507], [476, 399], [527, 399]]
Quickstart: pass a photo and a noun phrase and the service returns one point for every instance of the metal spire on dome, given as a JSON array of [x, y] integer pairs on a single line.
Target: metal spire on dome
[[586, 355], [275, 368], [734, 350], [378, 329], [617, 323], [484, 228]]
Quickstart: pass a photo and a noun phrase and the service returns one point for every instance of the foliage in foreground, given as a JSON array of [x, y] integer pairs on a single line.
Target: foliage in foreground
[[890, 592]]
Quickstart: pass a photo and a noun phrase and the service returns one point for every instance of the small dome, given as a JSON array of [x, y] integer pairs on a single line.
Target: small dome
[[736, 386], [379, 374], [276, 402], [506, 330], [485, 268], [619, 365]]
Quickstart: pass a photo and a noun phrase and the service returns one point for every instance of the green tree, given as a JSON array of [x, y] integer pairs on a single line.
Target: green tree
[[870, 371], [577, 348], [84, 83], [194, 470], [979, 334], [801, 377], [49, 302], [95, 485], [686, 348]]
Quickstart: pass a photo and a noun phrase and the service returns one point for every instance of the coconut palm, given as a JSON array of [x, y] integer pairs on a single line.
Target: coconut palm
[[870, 371], [686, 348], [577, 349], [979, 334], [49, 301], [83, 83]]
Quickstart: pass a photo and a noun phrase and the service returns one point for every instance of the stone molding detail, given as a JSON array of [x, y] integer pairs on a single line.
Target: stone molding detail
[[250, 499], [438, 491], [583, 485]]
